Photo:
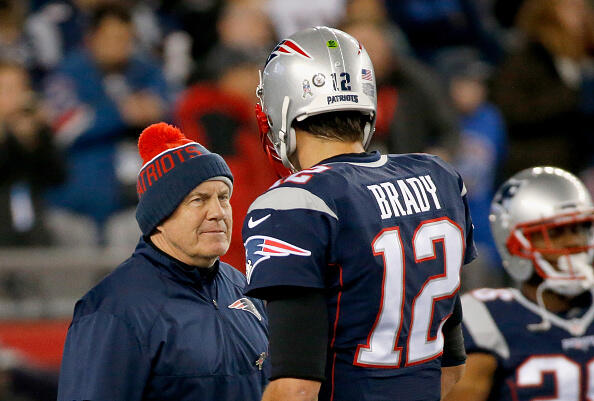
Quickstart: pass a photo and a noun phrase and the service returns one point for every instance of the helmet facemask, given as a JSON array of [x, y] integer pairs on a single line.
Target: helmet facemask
[[565, 265], [266, 139]]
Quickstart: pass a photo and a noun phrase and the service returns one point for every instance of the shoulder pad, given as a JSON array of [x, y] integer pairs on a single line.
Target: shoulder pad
[[482, 327], [289, 198]]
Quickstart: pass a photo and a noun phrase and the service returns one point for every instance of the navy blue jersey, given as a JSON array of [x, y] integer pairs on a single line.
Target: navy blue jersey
[[386, 237], [533, 362]]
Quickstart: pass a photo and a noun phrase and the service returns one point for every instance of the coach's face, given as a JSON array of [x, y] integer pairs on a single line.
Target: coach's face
[[199, 230]]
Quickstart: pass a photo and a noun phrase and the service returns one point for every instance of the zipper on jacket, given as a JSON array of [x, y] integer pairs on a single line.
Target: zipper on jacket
[[261, 357]]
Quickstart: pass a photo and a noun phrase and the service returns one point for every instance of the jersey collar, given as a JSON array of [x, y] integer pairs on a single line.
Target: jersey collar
[[363, 157]]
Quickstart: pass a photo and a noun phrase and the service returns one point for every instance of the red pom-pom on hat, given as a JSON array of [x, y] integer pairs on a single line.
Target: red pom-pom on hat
[[157, 138]]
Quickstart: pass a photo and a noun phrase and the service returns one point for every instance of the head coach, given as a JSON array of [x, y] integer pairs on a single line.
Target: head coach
[[170, 323]]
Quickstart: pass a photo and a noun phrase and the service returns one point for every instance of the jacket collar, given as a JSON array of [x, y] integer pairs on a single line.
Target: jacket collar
[[176, 269]]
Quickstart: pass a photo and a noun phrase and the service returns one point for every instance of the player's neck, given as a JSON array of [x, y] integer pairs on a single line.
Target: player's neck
[[553, 302], [312, 149]]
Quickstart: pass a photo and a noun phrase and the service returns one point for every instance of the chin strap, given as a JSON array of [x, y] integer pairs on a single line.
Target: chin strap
[[263, 126], [576, 328], [573, 276], [284, 136], [545, 323]]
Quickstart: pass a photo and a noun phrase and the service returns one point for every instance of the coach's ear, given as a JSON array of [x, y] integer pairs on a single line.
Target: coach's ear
[[156, 233]]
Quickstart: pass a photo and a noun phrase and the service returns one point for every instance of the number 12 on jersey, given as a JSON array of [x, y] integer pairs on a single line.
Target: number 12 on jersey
[[382, 350]]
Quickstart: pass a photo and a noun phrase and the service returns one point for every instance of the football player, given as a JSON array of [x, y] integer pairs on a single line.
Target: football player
[[358, 254], [535, 342]]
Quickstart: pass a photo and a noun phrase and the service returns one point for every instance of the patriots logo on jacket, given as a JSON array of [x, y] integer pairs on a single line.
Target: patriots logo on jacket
[[262, 247], [246, 305], [289, 48]]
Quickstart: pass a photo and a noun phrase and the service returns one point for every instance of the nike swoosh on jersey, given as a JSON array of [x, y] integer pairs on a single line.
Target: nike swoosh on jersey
[[254, 223]]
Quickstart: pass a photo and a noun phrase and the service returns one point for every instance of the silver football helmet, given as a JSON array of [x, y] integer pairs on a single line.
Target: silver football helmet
[[314, 71], [534, 202]]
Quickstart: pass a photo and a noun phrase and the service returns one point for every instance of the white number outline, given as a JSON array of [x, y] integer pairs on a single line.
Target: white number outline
[[395, 351], [546, 359], [304, 176], [437, 341]]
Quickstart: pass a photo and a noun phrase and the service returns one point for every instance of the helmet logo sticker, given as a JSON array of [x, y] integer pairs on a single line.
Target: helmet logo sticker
[[507, 192], [332, 44], [287, 47], [306, 89], [319, 79]]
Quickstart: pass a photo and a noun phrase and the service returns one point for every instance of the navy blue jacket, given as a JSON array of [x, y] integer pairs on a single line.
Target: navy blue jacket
[[155, 330]]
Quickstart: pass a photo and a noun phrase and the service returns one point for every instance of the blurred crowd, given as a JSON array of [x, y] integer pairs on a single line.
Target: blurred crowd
[[492, 86]]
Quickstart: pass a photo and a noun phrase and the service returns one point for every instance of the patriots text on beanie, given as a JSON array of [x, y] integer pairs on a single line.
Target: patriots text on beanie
[[173, 166]]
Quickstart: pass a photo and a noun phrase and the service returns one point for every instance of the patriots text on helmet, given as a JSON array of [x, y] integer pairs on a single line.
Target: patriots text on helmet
[[405, 197], [342, 98]]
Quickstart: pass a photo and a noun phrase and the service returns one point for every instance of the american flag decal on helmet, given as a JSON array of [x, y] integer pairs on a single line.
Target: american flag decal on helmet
[[366, 74], [246, 305], [288, 48], [260, 247]]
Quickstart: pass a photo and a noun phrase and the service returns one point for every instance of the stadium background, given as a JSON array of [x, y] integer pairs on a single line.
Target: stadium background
[[492, 86]]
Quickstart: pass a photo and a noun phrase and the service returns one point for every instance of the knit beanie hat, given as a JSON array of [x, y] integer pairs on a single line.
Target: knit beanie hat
[[172, 166]]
